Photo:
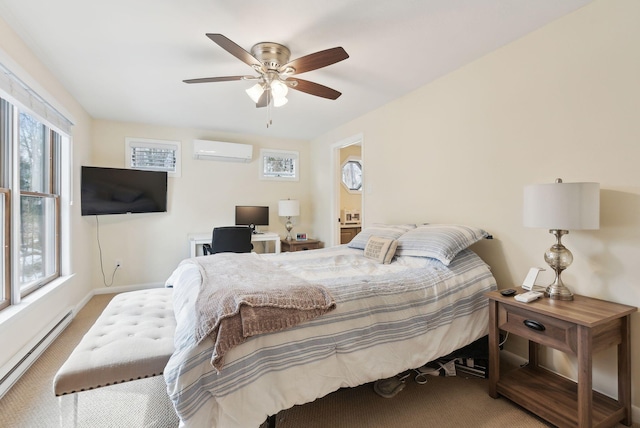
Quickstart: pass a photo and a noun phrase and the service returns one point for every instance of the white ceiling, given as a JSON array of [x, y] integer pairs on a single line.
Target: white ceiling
[[125, 60]]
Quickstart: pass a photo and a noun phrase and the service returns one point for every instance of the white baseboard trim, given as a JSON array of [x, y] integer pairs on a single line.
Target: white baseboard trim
[[125, 288], [517, 360], [20, 363]]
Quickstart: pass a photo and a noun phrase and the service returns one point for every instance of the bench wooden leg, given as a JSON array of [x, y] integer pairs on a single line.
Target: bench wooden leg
[[271, 421], [65, 413]]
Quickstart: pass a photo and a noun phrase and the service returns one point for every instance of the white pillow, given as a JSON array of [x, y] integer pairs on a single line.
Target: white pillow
[[438, 241], [380, 249], [381, 230]]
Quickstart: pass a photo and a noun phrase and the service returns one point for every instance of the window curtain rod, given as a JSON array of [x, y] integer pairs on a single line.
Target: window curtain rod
[[23, 94]]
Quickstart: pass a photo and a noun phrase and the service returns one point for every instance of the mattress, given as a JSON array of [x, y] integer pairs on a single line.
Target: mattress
[[388, 318]]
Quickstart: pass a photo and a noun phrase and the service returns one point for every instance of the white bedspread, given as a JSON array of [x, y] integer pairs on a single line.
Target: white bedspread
[[431, 311]]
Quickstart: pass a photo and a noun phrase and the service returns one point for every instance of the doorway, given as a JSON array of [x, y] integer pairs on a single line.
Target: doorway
[[348, 189]]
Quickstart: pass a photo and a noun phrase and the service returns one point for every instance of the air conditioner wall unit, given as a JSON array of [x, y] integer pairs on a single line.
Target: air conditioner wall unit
[[221, 151]]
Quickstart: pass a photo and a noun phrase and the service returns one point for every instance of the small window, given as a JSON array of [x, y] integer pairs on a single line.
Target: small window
[[153, 155], [278, 165], [352, 175]]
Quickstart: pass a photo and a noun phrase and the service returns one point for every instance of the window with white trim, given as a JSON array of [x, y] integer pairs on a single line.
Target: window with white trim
[[30, 207], [279, 165], [153, 155], [352, 174]]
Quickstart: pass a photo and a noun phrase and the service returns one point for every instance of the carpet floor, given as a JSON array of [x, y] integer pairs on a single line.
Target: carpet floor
[[441, 402]]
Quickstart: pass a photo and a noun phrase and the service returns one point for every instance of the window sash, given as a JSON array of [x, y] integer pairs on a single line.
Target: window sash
[[38, 253], [153, 158], [5, 236], [279, 165], [153, 155]]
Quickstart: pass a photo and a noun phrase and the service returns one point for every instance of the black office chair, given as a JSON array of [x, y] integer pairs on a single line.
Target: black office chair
[[229, 239]]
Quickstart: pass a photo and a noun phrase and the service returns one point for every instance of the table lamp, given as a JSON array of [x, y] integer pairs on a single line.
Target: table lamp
[[561, 207], [289, 208]]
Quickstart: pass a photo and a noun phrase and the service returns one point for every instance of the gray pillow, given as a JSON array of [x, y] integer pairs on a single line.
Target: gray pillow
[[380, 230], [438, 241]]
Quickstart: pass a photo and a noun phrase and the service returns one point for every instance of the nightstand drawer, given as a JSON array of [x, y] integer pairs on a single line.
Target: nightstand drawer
[[310, 244], [547, 331]]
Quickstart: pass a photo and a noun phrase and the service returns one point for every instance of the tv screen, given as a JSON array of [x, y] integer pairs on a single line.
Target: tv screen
[[122, 191], [252, 216]]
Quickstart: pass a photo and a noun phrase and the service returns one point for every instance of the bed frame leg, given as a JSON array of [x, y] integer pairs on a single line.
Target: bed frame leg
[[271, 421]]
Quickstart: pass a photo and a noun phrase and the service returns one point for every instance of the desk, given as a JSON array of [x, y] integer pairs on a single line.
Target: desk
[[197, 239]]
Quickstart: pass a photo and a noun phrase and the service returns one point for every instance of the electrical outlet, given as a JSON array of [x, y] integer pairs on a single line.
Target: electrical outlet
[[118, 263]]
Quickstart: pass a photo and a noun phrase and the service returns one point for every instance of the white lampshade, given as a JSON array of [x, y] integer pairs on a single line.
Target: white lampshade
[[255, 92], [279, 89], [562, 206], [279, 101], [289, 208]]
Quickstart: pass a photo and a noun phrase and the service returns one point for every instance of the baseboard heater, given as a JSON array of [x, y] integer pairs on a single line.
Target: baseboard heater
[[32, 354]]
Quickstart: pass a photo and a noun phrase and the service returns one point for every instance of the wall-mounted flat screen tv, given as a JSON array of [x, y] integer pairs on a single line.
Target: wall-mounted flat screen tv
[[122, 191]]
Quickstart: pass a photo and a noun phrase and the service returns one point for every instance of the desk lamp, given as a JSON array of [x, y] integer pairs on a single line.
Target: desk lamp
[[561, 207], [289, 208]]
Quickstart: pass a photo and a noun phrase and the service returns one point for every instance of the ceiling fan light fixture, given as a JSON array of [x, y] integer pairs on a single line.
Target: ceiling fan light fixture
[[279, 101], [255, 92], [278, 89]]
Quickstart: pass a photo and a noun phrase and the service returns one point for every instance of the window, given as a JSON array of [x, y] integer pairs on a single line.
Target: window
[[30, 183], [39, 203], [153, 155], [352, 175], [278, 165]]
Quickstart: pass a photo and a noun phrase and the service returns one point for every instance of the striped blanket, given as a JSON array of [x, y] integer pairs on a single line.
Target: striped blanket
[[388, 318]]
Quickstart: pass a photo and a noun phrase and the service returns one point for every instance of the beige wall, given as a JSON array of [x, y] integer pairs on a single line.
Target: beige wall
[[151, 245], [35, 316], [560, 102]]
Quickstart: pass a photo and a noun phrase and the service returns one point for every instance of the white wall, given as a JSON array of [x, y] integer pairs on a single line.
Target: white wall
[[560, 102], [22, 328], [152, 245]]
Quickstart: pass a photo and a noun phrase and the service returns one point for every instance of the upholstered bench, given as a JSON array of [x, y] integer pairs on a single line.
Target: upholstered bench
[[132, 339]]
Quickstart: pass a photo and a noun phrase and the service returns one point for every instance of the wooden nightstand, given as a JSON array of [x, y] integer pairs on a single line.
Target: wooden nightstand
[[309, 244], [580, 327]]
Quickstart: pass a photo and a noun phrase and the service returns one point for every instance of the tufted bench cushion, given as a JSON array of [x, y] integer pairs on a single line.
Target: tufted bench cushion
[[132, 339]]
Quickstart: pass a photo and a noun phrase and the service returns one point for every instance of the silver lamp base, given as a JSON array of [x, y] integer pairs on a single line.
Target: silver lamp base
[[558, 293], [288, 225], [559, 258]]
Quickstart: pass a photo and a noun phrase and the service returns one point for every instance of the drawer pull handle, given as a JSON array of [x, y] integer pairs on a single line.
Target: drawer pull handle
[[534, 325]]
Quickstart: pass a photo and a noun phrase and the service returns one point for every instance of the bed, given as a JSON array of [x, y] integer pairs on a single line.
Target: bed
[[388, 317]]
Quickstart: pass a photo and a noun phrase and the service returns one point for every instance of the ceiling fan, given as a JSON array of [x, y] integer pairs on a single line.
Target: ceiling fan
[[271, 62]]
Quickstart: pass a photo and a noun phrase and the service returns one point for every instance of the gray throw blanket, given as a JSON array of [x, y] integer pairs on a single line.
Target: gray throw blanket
[[242, 295]]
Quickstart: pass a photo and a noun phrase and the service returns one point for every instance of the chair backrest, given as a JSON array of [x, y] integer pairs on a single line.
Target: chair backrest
[[231, 239]]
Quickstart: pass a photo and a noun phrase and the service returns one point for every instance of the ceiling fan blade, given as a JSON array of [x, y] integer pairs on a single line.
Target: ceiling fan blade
[[235, 50], [315, 89], [264, 100], [219, 79], [316, 60]]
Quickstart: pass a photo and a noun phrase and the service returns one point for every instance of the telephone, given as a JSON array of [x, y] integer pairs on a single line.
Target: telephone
[[530, 280]]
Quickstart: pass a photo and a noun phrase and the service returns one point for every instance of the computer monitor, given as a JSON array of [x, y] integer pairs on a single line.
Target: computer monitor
[[252, 216]]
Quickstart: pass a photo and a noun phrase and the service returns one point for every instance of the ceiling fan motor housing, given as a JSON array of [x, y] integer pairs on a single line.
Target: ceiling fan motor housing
[[272, 55]]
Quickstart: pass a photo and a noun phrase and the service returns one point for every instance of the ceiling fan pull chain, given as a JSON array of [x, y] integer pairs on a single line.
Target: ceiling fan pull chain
[[269, 121]]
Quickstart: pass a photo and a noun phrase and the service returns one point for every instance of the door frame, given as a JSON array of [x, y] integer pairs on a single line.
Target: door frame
[[336, 183]]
